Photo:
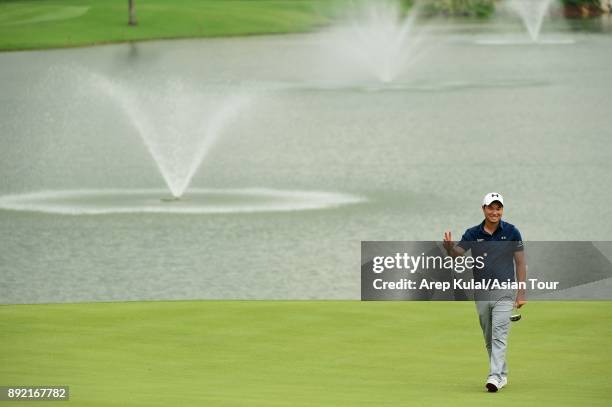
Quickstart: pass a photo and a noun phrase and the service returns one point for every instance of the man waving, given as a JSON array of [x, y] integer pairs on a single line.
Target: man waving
[[501, 245]]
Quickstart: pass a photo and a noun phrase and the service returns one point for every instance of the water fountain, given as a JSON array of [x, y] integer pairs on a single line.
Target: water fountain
[[179, 125], [532, 14], [376, 40]]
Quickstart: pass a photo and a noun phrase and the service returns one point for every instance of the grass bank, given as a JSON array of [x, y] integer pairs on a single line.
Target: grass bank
[[52, 23], [245, 353]]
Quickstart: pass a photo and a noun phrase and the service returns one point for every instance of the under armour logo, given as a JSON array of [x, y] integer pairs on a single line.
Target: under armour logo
[[497, 195]]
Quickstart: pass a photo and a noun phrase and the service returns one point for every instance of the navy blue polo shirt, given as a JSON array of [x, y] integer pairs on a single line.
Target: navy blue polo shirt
[[497, 250]]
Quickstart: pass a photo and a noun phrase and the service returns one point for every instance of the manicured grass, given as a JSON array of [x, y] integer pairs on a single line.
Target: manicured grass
[[57, 23], [267, 353]]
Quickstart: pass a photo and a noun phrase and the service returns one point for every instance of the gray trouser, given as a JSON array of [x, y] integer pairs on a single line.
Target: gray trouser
[[494, 314]]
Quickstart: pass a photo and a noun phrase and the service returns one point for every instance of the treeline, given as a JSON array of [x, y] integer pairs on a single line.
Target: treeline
[[485, 8]]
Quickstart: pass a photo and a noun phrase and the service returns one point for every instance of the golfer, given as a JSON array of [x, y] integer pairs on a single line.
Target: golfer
[[501, 245]]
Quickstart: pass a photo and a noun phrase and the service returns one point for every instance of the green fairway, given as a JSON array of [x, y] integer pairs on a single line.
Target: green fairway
[[52, 23], [249, 353]]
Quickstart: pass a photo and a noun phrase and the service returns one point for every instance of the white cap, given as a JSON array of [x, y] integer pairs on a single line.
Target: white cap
[[492, 197]]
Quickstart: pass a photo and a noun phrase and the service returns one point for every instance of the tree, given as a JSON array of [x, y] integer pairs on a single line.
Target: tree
[[132, 19]]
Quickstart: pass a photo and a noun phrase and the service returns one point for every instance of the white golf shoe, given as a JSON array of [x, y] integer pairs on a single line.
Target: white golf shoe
[[503, 382], [492, 385]]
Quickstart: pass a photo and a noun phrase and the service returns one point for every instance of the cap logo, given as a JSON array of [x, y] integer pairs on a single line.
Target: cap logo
[[492, 195]]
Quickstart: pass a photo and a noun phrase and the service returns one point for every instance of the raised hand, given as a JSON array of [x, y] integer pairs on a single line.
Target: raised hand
[[448, 241]]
